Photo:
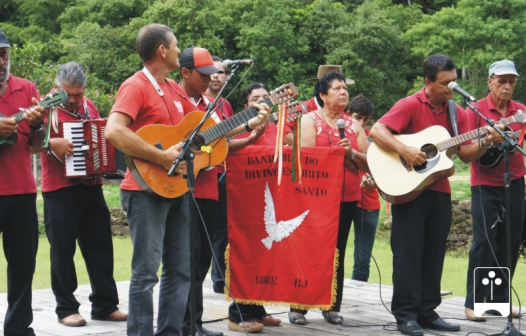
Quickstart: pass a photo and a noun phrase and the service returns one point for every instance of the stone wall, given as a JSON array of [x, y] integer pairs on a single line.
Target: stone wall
[[460, 234]]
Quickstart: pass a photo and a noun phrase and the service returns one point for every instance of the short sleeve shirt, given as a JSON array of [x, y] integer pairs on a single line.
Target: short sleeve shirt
[[138, 99], [495, 176], [52, 170], [16, 160], [415, 113]]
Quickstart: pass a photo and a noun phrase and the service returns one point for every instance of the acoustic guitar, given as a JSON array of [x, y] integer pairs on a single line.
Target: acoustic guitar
[[52, 100], [399, 182], [209, 146]]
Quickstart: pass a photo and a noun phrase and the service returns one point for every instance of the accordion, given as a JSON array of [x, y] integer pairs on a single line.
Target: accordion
[[92, 155]]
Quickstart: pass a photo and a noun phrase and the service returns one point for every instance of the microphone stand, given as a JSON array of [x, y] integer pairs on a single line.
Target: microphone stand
[[508, 144], [188, 155]]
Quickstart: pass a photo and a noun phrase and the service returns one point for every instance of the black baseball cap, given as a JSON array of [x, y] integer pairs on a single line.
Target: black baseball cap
[[198, 58], [3, 40]]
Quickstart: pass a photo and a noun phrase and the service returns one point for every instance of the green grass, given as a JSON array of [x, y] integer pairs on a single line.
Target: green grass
[[122, 249], [453, 279], [453, 276]]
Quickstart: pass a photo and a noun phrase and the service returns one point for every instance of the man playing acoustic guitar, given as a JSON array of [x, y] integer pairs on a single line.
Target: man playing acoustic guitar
[[159, 227], [421, 226], [18, 192]]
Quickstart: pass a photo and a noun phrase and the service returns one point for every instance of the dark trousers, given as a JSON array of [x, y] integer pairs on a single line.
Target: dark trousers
[[79, 213], [221, 236], [19, 228], [203, 256], [347, 210], [418, 242], [486, 203], [248, 312]]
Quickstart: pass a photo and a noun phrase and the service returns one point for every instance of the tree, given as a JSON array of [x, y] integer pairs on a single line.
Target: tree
[[474, 35], [372, 52]]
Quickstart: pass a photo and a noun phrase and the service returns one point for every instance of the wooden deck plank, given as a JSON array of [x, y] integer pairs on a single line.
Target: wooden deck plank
[[364, 314]]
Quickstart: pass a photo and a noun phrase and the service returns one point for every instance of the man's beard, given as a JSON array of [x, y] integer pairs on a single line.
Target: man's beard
[[5, 76]]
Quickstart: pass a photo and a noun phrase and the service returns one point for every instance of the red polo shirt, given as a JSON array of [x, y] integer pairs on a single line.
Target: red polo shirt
[[414, 113], [138, 99], [206, 181], [52, 170], [495, 176], [16, 160]]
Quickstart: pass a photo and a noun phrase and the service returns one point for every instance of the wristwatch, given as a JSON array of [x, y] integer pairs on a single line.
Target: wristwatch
[[248, 127], [37, 128]]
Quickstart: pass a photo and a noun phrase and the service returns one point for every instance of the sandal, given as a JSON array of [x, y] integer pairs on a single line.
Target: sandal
[[334, 318], [250, 325], [297, 318]]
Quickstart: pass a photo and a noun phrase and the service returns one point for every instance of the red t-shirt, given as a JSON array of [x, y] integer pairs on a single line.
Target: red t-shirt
[[16, 160], [495, 176], [52, 170], [138, 99], [370, 198], [206, 181], [225, 111], [326, 136], [414, 113]]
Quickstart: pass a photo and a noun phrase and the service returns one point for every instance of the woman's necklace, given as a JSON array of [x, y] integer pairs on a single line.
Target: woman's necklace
[[325, 119]]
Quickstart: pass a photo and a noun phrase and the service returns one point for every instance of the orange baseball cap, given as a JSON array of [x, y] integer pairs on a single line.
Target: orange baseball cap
[[198, 58]]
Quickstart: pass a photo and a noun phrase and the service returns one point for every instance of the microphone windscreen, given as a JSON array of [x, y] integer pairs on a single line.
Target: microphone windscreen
[[340, 123]]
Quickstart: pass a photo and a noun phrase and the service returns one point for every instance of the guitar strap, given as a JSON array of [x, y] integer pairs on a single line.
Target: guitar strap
[[452, 109], [153, 81]]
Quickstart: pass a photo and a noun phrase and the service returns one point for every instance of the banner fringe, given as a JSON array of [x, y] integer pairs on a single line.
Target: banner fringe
[[282, 303]]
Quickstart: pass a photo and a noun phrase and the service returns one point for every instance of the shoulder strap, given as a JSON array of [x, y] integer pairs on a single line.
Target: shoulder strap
[[452, 108]]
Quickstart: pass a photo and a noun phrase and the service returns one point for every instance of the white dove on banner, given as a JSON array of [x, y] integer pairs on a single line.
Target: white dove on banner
[[283, 229]]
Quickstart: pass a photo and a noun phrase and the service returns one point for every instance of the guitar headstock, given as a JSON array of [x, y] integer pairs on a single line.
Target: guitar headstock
[[296, 110], [520, 117], [284, 93], [54, 99]]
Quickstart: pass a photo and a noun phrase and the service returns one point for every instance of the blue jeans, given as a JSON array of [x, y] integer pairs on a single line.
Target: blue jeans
[[365, 224], [159, 232]]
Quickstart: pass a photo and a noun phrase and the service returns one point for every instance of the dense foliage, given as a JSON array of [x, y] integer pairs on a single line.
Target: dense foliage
[[380, 43]]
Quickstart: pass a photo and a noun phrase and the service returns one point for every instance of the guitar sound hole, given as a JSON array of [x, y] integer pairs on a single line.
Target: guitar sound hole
[[197, 143], [431, 152]]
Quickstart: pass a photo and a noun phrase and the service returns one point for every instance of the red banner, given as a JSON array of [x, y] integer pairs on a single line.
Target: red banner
[[282, 239]]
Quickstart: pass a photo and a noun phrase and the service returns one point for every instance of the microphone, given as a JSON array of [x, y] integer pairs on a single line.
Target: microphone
[[341, 127], [453, 86], [227, 64]]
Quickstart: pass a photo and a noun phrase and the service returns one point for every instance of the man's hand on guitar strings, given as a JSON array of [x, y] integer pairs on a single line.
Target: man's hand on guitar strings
[[262, 117], [35, 115], [414, 156], [7, 127], [493, 136], [170, 156]]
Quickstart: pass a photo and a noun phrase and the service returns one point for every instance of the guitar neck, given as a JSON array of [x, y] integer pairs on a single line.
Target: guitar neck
[[455, 141], [222, 128], [19, 116]]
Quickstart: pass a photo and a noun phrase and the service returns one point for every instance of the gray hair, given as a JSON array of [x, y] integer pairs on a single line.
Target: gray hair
[[70, 73]]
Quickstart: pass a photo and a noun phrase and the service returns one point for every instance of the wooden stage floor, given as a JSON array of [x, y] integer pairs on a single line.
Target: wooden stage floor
[[364, 314]]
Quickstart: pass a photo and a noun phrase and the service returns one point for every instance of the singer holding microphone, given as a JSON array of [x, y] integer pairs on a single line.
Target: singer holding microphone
[[487, 191], [330, 127]]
